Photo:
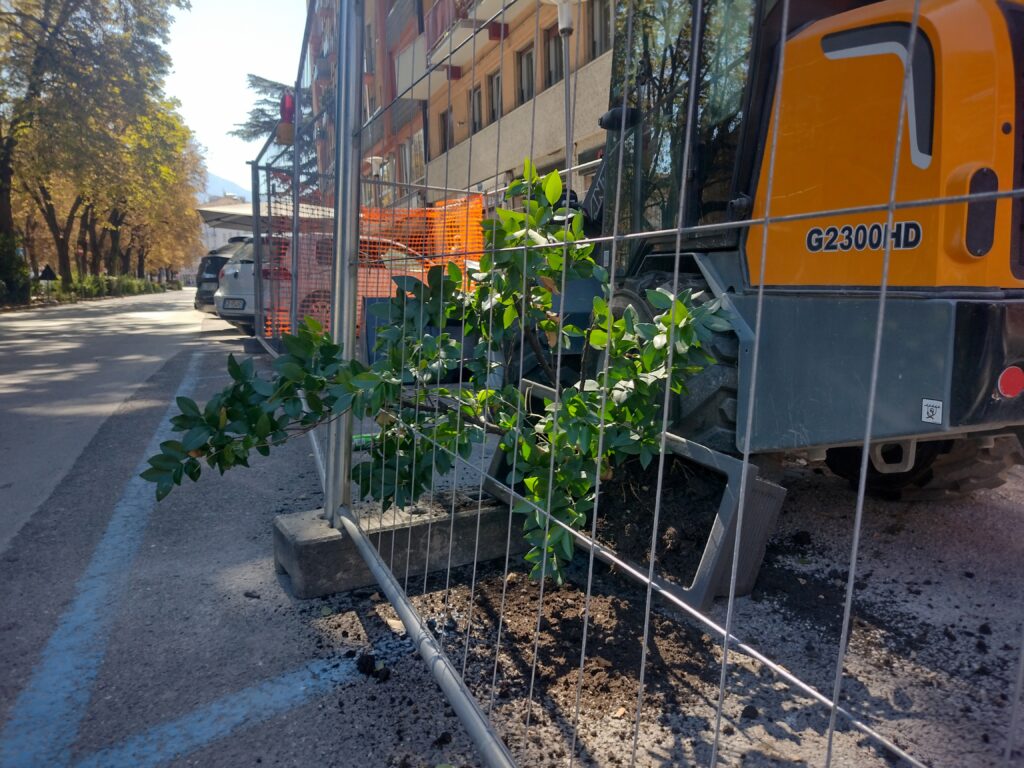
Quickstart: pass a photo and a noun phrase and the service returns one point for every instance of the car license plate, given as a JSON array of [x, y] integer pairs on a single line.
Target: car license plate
[[208, 286], [234, 303]]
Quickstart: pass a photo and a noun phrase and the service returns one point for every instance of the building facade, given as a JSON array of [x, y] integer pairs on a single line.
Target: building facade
[[459, 92]]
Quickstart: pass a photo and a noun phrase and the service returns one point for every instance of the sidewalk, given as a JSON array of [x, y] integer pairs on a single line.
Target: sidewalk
[[137, 634]]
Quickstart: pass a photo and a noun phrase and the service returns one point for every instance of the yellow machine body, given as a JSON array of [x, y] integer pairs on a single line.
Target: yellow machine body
[[837, 140]]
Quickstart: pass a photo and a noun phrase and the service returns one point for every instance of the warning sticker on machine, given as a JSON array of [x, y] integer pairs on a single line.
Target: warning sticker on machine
[[905, 235], [931, 411]]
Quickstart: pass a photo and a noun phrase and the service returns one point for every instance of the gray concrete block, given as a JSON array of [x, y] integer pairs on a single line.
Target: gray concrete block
[[320, 560]]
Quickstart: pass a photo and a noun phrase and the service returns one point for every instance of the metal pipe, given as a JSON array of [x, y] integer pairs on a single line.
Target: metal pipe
[[257, 249], [349, 264], [490, 746], [293, 303], [346, 239], [331, 489]]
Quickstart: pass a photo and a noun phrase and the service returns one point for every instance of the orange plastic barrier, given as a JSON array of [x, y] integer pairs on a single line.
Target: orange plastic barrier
[[392, 242]]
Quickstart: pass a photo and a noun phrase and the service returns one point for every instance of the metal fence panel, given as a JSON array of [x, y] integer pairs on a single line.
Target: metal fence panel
[[509, 319]]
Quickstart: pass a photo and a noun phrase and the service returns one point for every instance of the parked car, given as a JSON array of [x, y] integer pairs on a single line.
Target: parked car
[[234, 299], [208, 274]]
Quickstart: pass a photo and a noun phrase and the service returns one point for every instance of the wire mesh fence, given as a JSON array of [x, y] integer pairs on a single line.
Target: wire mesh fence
[[749, 241]]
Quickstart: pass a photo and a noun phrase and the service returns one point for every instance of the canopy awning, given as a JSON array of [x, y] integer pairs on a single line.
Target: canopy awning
[[239, 215]]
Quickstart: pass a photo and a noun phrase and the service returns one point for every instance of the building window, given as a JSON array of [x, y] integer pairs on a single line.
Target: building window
[[476, 109], [405, 163], [601, 21], [553, 70], [494, 97], [418, 164], [371, 50], [446, 135], [524, 74]]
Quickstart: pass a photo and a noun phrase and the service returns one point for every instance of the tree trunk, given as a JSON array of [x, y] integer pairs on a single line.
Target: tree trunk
[[114, 255], [31, 225], [96, 243], [126, 261], [140, 271], [6, 180], [61, 232], [81, 248]]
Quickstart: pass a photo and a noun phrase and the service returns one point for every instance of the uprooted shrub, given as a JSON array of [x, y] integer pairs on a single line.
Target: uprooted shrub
[[557, 453]]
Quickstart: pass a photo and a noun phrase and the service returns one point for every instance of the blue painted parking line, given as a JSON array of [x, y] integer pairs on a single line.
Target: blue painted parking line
[[45, 718], [246, 708]]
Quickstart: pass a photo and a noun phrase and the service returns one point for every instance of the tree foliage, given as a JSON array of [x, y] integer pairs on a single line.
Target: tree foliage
[[557, 454], [266, 111], [91, 153]]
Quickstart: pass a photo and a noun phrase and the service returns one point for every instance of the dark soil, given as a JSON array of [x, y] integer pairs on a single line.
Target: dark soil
[[681, 672], [690, 496]]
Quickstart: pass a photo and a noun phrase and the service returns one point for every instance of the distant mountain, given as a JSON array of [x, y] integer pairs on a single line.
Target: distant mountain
[[218, 186]]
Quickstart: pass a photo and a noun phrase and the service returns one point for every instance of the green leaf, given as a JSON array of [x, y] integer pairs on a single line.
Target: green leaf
[[196, 437], [366, 380], [509, 316], [262, 387], [172, 448], [188, 407], [565, 544], [164, 462], [298, 346], [716, 323], [659, 300], [454, 273], [153, 475], [645, 456], [408, 284], [529, 171], [598, 338], [293, 371], [553, 187], [648, 356], [163, 488], [234, 369]]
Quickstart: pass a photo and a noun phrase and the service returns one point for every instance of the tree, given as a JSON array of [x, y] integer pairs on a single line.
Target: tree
[[74, 65], [265, 113]]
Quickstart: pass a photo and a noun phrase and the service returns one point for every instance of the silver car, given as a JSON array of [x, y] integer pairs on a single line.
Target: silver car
[[234, 299]]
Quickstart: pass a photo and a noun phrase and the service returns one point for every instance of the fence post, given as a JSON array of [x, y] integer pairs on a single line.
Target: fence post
[[346, 239], [257, 250]]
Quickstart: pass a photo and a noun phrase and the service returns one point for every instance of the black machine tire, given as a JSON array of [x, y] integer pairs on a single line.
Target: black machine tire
[[706, 413], [943, 469]]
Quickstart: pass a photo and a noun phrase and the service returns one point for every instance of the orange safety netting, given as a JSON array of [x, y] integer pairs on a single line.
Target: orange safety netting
[[392, 242]]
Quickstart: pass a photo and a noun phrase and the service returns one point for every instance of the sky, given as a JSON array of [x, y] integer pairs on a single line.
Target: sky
[[213, 47]]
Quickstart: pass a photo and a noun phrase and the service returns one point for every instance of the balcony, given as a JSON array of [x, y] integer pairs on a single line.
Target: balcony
[[410, 66], [450, 23]]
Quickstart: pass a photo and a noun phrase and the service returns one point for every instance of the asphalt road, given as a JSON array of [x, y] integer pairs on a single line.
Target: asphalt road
[[64, 370]]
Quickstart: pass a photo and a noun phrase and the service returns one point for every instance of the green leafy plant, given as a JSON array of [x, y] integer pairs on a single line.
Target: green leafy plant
[[556, 453]]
